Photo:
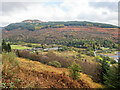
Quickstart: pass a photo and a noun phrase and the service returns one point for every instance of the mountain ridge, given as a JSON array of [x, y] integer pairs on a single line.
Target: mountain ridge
[[38, 24], [52, 32]]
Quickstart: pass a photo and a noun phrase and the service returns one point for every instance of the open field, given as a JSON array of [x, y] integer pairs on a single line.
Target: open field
[[20, 47]]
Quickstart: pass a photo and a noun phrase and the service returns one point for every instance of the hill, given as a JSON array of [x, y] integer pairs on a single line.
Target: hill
[[20, 72], [37, 25], [35, 31]]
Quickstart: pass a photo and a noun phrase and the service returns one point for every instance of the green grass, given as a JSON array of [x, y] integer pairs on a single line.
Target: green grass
[[20, 47], [104, 48], [31, 43]]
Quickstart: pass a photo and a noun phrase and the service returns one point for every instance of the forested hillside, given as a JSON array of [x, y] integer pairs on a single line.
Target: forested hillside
[[61, 32], [37, 25]]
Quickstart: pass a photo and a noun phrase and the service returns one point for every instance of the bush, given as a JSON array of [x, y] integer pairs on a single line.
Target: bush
[[36, 52], [63, 48], [74, 71], [62, 60], [29, 45], [9, 61], [45, 59], [112, 61], [64, 73], [38, 46], [55, 64], [90, 53]]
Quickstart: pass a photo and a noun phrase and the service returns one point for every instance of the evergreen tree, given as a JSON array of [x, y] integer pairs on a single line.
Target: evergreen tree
[[75, 71], [105, 67], [6, 47], [17, 52], [36, 52], [112, 80], [94, 46], [9, 48]]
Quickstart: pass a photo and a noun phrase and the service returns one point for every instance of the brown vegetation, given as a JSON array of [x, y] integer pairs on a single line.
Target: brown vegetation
[[33, 74], [88, 67], [51, 35]]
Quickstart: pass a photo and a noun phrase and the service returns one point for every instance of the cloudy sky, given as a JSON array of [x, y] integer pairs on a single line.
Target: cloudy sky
[[62, 10]]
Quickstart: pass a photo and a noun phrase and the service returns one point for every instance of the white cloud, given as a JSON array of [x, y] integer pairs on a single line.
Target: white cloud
[[64, 10]]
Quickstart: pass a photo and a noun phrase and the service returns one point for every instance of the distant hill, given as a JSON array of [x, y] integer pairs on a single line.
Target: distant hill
[[38, 25], [36, 31]]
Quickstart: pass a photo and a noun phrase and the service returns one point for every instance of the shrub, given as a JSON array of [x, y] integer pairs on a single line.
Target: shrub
[[55, 64], [29, 45], [38, 46], [62, 60], [9, 61], [74, 71], [112, 61], [63, 73], [90, 53], [36, 52], [91, 68]]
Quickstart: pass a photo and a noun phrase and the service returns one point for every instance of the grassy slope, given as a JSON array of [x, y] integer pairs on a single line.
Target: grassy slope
[[32, 74], [39, 67]]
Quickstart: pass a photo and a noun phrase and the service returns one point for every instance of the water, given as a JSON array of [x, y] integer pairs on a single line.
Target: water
[[113, 56]]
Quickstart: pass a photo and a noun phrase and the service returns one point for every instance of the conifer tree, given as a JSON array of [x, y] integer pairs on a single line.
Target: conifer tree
[[9, 48], [105, 67], [112, 80], [17, 52], [75, 71], [6, 47]]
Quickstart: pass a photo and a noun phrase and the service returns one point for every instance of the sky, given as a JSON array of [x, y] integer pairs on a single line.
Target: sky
[[102, 11]]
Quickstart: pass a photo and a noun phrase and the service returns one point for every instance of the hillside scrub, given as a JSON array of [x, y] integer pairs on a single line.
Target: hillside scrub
[[88, 67], [45, 59], [10, 63], [55, 64], [32, 74]]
